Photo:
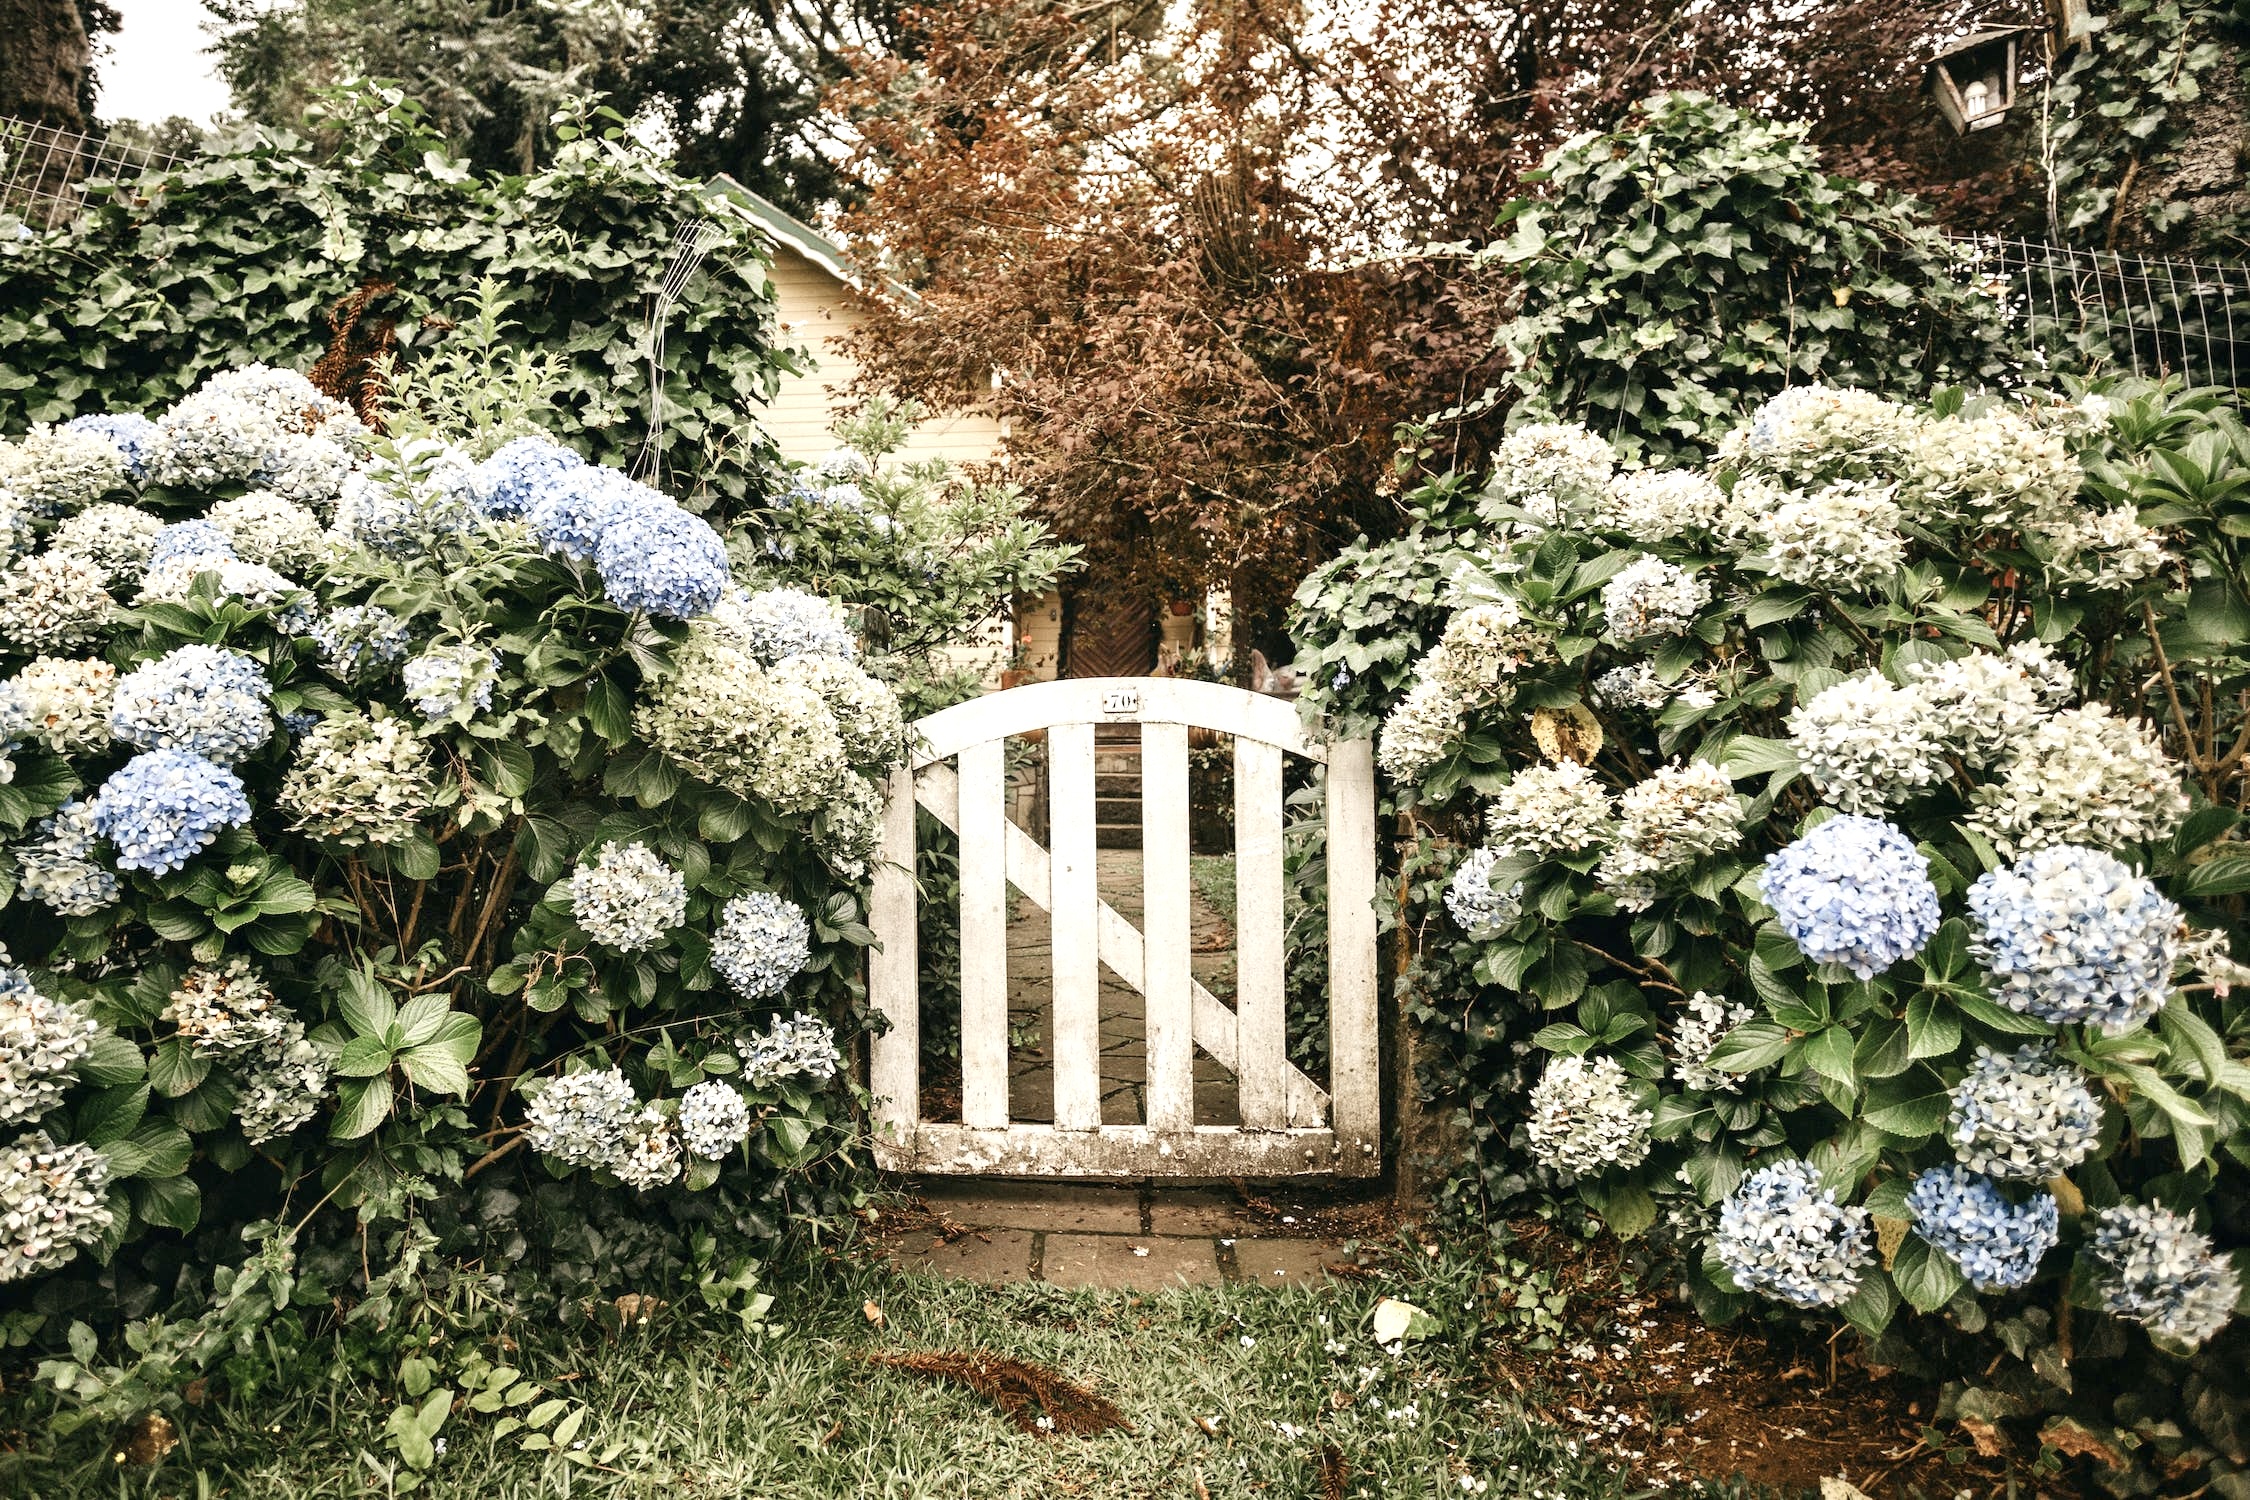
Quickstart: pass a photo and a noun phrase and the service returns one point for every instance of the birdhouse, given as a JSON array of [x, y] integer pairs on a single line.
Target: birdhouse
[[1975, 79]]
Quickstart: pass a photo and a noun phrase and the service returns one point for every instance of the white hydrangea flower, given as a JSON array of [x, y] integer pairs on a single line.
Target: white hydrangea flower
[[52, 602], [2082, 776], [1841, 537], [18, 530], [61, 702], [2156, 1268], [1996, 469], [41, 1040], [866, 712], [1584, 1120], [650, 1157], [1651, 597], [714, 1119], [1555, 471], [2104, 549], [55, 471], [266, 529], [226, 1010], [725, 718], [278, 1085], [1635, 686], [257, 425], [1550, 810], [452, 684], [1814, 432], [1705, 1022], [1665, 824], [403, 506], [53, 1199], [582, 1119], [357, 780], [1419, 729], [57, 865], [762, 943], [1982, 706], [800, 1047], [776, 624], [849, 827], [2026, 1115], [628, 898], [1867, 745], [1782, 1234], [1658, 505], [115, 538], [1483, 648]]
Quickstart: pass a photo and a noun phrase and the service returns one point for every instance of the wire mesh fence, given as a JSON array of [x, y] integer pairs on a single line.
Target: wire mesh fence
[[44, 170], [2103, 311]]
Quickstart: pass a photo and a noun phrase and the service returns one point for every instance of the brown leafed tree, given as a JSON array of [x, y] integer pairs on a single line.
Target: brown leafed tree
[[1215, 248]]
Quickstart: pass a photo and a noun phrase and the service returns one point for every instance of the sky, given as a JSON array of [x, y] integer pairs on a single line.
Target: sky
[[155, 66]]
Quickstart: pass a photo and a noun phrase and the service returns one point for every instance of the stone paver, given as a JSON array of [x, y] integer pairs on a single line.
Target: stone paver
[[1279, 1262], [1187, 1211], [1037, 1205], [1141, 1263], [992, 1256]]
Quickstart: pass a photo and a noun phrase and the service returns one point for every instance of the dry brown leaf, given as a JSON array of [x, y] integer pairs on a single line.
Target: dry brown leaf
[[874, 1311], [1028, 1395]]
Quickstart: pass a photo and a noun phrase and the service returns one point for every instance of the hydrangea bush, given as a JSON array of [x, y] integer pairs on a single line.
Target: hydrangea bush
[[1862, 808], [379, 810]]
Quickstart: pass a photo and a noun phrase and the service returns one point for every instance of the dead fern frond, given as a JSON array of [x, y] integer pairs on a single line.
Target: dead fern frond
[[1334, 1472], [1038, 1400]]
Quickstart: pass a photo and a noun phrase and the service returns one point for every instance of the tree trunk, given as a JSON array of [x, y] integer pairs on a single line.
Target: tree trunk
[[44, 56]]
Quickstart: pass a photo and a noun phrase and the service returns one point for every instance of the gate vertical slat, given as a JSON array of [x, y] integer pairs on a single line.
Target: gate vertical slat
[[1355, 1080], [1167, 975], [984, 935], [893, 984], [1261, 1029], [1072, 909]]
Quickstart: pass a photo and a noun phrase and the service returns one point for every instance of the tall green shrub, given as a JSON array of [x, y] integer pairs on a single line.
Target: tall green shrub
[[1701, 257], [248, 253]]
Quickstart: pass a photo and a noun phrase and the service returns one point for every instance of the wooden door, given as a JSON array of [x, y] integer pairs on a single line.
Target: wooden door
[[1112, 634], [1290, 1125]]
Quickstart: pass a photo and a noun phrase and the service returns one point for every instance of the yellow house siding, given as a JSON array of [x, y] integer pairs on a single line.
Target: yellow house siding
[[816, 312]]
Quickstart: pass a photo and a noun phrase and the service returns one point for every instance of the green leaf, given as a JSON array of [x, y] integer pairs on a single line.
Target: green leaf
[[1829, 1053], [420, 1018], [1749, 1047], [508, 766], [110, 1114], [360, 1108], [365, 1004], [1913, 1106], [168, 1202], [174, 1069], [1924, 1277], [111, 1060], [416, 857], [435, 1068], [1932, 1029], [364, 1057], [2224, 875], [2192, 1038]]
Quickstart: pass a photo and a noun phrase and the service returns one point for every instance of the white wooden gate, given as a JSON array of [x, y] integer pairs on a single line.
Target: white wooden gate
[[1290, 1125]]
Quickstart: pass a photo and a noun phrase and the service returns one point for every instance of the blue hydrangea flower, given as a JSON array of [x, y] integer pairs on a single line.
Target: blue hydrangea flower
[[575, 506], [207, 700], [762, 943], [656, 557], [1997, 1244], [163, 807], [518, 473], [1854, 891], [1783, 1235], [128, 432], [1471, 899], [2153, 1266], [360, 641], [2073, 936], [197, 539], [452, 683]]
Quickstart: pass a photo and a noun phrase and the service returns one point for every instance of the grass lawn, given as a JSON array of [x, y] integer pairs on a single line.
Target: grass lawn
[[1230, 1391]]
